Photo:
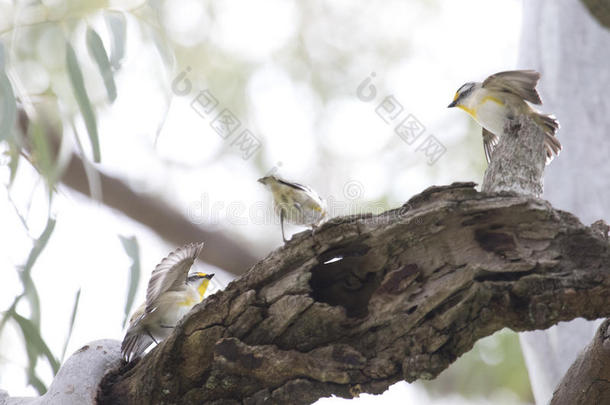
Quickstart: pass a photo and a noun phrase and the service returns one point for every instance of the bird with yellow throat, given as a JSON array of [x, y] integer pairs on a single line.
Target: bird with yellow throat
[[171, 293], [502, 97]]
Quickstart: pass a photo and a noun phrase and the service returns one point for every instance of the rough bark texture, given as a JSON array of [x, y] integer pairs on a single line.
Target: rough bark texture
[[78, 379], [413, 290], [518, 160], [566, 44], [588, 379]]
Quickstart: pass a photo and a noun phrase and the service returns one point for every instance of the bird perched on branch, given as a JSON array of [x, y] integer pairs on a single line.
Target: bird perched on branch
[[500, 98], [170, 295], [295, 203]]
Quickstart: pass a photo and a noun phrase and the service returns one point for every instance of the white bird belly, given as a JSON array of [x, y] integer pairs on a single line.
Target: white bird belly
[[172, 306], [492, 116], [304, 210]]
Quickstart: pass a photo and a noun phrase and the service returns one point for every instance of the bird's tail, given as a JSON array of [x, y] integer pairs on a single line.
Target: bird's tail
[[549, 125], [134, 344]]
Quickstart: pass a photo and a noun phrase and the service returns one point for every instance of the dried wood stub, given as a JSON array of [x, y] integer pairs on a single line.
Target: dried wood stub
[[517, 163]]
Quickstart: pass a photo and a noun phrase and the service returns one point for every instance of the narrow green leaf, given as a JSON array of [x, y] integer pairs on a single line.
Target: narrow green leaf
[[9, 312], [30, 292], [8, 104], [14, 152], [80, 93], [25, 274], [71, 327], [32, 354], [98, 53], [39, 245], [35, 342], [37, 383], [41, 151], [117, 25], [133, 251]]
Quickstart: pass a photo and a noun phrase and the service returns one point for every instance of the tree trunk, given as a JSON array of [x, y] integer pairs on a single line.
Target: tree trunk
[[567, 44], [588, 379]]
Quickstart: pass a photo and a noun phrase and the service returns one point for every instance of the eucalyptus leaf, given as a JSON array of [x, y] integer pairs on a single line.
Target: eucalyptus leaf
[[130, 245], [25, 274], [117, 25], [37, 383], [80, 93], [15, 155], [8, 107], [39, 245], [30, 292], [71, 327], [98, 53], [34, 340], [41, 151]]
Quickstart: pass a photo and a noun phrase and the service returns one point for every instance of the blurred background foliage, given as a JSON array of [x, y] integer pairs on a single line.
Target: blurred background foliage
[[95, 81]]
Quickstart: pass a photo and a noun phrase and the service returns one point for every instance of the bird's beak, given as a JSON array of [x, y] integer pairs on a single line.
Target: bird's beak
[[261, 180], [453, 104], [209, 276]]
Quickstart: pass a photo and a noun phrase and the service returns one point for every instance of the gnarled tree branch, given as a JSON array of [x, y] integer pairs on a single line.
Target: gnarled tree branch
[[371, 300]]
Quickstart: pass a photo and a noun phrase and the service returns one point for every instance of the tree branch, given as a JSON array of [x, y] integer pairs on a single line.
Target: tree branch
[[162, 218], [407, 293], [600, 10], [587, 381], [151, 211]]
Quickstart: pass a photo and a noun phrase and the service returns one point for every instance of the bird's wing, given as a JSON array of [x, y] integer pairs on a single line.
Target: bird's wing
[[312, 194], [519, 82], [490, 141], [134, 344], [171, 273], [295, 185]]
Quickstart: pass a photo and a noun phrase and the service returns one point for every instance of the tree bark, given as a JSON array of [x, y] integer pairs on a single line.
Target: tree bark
[[407, 293], [600, 9], [518, 161], [588, 379], [566, 43]]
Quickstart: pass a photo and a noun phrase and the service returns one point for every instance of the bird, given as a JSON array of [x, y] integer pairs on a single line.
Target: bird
[[502, 97], [295, 203], [171, 293]]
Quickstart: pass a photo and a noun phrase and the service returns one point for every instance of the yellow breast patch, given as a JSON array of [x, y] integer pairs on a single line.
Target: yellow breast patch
[[470, 111], [202, 287]]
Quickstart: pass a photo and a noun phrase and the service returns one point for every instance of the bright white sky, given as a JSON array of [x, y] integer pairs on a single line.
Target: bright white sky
[[464, 41]]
